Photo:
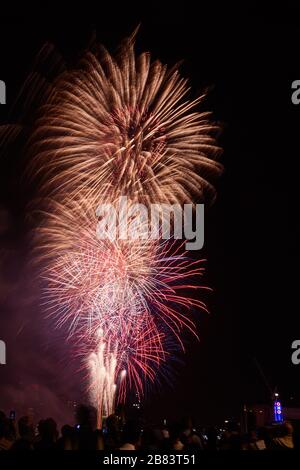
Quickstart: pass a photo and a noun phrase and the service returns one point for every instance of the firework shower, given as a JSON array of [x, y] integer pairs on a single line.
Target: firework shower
[[117, 126], [108, 128]]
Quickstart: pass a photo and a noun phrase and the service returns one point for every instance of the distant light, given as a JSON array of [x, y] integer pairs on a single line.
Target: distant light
[[277, 412], [226, 421], [276, 394]]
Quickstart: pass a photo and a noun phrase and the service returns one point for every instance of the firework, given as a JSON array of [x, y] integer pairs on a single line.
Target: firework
[[130, 290], [124, 126], [102, 366], [112, 127]]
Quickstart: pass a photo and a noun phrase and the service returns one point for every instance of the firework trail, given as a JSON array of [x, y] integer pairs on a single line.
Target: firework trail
[[110, 127], [102, 366]]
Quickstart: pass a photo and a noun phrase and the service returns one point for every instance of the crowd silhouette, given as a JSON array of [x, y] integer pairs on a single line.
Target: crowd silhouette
[[120, 434]]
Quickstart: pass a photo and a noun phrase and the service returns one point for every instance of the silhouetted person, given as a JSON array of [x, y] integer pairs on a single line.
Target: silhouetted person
[[284, 441], [231, 439], [131, 438], [87, 437], [112, 432], [152, 439], [189, 437], [48, 435], [7, 432], [175, 438], [67, 441], [26, 433]]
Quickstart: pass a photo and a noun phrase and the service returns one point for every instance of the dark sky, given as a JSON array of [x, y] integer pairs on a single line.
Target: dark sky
[[249, 58]]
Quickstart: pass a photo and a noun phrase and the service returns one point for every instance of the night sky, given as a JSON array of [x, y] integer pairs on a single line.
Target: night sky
[[248, 58]]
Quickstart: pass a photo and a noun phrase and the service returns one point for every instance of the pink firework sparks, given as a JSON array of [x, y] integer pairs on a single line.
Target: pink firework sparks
[[127, 289]]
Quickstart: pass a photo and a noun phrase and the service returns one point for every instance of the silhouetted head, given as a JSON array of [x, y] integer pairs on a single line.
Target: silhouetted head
[[48, 429], [287, 429], [25, 427], [132, 433], [187, 423], [67, 431], [112, 423], [6, 429]]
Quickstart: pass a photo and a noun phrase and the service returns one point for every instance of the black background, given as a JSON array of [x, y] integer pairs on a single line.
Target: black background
[[249, 56]]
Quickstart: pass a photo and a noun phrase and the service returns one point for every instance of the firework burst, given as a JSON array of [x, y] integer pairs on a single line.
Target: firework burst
[[124, 126], [117, 126]]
